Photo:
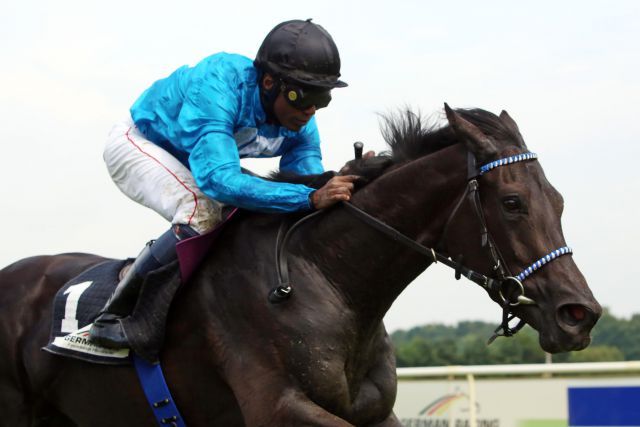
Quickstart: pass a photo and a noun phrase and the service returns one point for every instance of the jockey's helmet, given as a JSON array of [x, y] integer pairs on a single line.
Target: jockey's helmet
[[301, 52]]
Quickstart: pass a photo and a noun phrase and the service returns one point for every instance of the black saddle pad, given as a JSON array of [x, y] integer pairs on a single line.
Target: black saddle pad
[[75, 307], [79, 302]]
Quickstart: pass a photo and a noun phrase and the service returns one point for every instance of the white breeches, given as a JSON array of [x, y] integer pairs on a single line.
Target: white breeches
[[154, 178]]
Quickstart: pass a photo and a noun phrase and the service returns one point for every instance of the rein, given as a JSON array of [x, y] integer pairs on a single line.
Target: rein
[[499, 285]]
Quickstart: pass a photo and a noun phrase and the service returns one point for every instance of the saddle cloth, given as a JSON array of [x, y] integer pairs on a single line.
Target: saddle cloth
[[80, 300], [75, 306]]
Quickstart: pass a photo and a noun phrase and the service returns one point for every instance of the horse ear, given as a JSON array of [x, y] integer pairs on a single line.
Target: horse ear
[[506, 119], [476, 141]]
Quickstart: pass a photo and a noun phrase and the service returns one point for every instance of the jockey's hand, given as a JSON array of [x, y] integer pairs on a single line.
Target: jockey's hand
[[337, 189]]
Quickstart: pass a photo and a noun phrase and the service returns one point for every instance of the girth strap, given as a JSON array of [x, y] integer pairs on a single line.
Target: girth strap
[[157, 392]]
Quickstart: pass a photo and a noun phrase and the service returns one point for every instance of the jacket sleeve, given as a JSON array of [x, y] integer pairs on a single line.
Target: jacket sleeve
[[207, 119], [215, 165], [304, 156]]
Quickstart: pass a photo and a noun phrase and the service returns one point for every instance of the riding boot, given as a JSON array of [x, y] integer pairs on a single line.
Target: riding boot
[[107, 330]]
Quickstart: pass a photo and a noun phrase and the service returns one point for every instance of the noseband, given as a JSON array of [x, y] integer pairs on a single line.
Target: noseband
[[507, 286]]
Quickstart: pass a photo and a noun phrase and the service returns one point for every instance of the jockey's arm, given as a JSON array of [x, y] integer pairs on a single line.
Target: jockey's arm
[[215, 161], [215, 164], [208, 117]]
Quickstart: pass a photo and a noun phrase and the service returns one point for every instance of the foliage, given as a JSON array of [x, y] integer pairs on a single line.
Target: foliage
[[466, 344]]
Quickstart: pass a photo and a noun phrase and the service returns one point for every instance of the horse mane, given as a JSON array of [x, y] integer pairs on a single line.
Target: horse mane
[[409, 136]]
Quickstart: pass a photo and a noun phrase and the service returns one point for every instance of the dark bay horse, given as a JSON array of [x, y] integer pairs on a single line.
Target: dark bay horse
[[323, 357]]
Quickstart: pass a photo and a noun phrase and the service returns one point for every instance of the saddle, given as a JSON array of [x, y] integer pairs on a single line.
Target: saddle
[[81, 299]]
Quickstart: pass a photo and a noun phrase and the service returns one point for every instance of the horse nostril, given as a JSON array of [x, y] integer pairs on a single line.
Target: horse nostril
[[577, 312], [577, 321], [573, 314]]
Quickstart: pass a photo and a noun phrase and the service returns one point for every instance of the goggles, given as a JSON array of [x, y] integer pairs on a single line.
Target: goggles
[[303, 98]]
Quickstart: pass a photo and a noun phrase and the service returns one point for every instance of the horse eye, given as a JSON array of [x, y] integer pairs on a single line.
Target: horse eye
[[513, 204]]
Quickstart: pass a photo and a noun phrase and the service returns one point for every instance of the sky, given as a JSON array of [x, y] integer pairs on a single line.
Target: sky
[[567, 72]]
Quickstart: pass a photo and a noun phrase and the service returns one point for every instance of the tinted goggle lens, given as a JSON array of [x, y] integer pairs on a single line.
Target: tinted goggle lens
[[302, 99]]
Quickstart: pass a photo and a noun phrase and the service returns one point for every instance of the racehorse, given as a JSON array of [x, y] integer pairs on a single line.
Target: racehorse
[[320, 357]]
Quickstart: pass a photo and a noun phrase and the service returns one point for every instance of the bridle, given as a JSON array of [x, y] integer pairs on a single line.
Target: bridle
[[501, 275], [501, 282]]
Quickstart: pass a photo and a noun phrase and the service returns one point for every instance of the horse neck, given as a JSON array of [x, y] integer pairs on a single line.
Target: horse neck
[[365, 266]]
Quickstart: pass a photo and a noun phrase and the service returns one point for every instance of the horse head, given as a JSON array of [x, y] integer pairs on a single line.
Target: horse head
[[474, 192], [522, 232]]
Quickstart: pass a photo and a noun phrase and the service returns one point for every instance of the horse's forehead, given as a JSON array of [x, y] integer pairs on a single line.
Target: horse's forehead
[[530, 177], [510, 147], [527, 174]]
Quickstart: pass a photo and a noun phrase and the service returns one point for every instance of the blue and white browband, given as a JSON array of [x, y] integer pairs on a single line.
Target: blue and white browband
[[542, 261], [554, 254], [507, 161]]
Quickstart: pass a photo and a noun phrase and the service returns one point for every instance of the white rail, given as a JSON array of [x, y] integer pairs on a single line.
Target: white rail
[[472, 371], [499, 370]]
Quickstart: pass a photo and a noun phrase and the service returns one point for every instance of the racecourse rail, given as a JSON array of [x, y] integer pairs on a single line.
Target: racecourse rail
[[520, 382]]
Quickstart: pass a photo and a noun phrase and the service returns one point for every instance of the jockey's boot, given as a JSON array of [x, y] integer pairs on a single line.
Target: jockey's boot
[[107, 330]]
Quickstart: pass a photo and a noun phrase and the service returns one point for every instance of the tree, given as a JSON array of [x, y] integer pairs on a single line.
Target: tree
[[435, 345], [597, 353]]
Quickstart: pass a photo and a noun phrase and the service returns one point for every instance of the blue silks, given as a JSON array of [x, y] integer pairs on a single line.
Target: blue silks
[[209, 116]]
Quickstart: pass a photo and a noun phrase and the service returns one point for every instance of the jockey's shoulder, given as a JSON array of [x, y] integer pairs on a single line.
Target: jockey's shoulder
[[229, 62]]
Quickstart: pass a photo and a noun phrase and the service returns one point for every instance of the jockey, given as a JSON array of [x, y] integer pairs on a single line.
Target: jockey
[[179, 152]]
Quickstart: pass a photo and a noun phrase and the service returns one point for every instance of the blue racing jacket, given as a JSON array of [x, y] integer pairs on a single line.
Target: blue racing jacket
[[209, 116]]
